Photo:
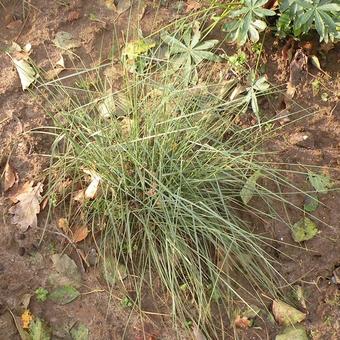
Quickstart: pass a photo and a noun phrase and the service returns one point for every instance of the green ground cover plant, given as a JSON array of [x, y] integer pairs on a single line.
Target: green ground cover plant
[[297, 18]]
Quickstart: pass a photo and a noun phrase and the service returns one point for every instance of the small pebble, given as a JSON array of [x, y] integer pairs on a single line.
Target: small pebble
[[92, 257]]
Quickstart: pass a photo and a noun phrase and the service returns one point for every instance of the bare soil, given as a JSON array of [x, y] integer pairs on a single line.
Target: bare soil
[[25, 264]]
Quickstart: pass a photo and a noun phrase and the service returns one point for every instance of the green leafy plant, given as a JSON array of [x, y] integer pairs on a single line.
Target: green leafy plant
[[38, 330], [134, 52], [247, 21], [189, 51], [237, 61], [41, 294], [299, 17], [126, 302], [257, 86]]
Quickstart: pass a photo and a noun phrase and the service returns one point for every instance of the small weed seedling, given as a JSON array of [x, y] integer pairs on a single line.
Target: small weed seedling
[[126, 302], [41, 294], [237, 61]]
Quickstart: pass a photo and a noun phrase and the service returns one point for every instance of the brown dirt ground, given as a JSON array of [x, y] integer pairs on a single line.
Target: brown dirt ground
[[25, 266]]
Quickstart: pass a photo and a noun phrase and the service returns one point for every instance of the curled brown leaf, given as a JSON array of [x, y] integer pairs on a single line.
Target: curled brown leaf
[[10, 177], [80, 234]]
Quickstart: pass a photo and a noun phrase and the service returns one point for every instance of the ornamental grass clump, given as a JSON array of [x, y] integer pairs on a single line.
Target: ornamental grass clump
[[163, 174]]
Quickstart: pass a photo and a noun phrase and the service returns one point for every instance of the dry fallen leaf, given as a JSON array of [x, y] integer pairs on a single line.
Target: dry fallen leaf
[[26, 72], [123, 5], [79, 196], [18, 52], [21, 189], [10, 177], [126, 126], [91, 190], [63, 225], [293, 333], [192, 5], [197, 333], [298, 68], [153, 190], [107, 106], [27, 207], [26, 318], [80, 234], [73, 16], [287, 51], [54, 72], [285, 314], [110, 4], [44, 203], [14, 25], [242, 322]]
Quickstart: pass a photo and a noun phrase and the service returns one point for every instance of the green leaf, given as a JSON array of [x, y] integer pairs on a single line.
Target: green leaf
[[64, 295], [303, 18], [206, 45], [196, 35], [187, 37], [231, 26], [179, 61], [285, 314], [261, 84], [38, 330], [333, 7], [293, 333], [249, 187], [304, 4], [311, 203], [263, 12], [79, 332], [321, 183], [330, 23], [247, 23], [189, 53], [134, 49], [304, 230], [239, 12], [260, 3], [244, 28], [253, 33], [259, 24], [175, 45], [66, 271], [204, 55], [319, 25]]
